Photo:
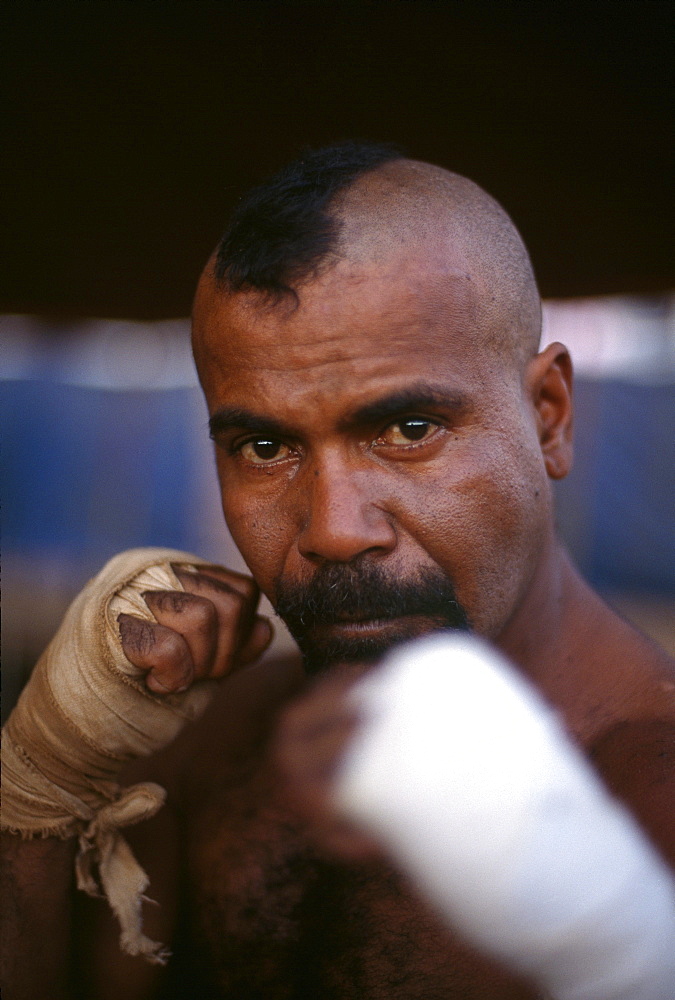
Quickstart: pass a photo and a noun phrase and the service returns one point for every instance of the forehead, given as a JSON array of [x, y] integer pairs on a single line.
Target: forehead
[[359, 328]]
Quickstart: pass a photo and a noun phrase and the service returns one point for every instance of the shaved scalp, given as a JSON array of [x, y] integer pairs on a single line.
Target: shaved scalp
[[359, 202], [409, 204]]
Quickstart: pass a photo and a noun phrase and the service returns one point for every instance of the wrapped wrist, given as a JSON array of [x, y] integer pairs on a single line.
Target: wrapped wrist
[[84, 713]]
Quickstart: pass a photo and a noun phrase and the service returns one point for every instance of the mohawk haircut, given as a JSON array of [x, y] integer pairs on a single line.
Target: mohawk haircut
[[281, 232]]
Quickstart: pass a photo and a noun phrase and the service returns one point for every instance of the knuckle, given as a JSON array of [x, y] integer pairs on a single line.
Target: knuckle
[[246, 587], [170, 646], [203, 616], [230, 604], [226, 604], [138, 636], [229, 582], [181, 570], [172, 601]]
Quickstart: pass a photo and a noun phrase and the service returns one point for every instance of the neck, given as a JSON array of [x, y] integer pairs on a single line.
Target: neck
[[538, 634], [551, 637], [582, 657]]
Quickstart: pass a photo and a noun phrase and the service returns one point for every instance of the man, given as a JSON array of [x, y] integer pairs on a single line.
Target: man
[[366, 336]]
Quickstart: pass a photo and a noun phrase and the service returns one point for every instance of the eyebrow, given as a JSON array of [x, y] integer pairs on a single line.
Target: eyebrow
[[228, 418], [420, 396]]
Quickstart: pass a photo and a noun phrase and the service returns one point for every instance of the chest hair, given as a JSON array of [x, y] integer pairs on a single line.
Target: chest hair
[[272, 918]]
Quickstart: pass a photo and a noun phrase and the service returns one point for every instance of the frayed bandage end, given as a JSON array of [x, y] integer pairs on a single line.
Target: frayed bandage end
[[84, 713]]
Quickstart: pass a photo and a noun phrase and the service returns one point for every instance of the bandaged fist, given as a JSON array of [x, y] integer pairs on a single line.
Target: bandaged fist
[[150, 623], [204, 631]]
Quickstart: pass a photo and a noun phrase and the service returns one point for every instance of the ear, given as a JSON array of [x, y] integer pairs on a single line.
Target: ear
[[549, 384]]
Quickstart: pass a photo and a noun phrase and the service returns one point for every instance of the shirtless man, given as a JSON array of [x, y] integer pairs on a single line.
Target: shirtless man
[[385, 431]]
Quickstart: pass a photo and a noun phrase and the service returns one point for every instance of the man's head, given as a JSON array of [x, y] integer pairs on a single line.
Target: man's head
[[366, 337]]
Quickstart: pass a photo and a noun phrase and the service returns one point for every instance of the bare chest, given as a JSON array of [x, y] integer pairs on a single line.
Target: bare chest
[[276, 919]]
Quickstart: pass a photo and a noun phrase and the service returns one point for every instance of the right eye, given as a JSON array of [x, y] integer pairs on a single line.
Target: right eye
[[263, 450]]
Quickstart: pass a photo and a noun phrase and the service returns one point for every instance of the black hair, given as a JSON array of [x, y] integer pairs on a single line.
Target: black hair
[[281, 232]]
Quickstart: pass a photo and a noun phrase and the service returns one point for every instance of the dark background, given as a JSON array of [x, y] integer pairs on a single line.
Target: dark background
[[130, 128]]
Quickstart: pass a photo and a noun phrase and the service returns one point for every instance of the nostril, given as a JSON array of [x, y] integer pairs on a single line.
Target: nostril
[[343, 538], [341, 520]]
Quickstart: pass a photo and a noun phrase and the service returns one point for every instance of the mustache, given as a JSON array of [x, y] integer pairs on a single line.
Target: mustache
[[363, 591], [347, 591]]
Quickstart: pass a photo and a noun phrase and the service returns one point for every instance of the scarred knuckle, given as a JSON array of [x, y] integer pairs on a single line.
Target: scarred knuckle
[[179, 602], [138, 636], [172, 601]]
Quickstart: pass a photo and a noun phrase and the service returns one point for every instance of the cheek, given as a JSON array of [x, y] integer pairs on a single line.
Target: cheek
[[259, 532], [482, 519]]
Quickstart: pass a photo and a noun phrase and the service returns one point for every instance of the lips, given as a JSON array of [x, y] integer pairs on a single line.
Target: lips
[[375, 627], [346, 619], [361, 626]]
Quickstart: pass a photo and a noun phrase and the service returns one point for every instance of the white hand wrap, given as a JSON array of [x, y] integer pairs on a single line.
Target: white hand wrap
[[469, 780], [85, 712]]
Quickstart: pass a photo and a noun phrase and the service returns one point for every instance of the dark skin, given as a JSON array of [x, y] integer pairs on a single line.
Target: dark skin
[[378, 421], [327, 482]]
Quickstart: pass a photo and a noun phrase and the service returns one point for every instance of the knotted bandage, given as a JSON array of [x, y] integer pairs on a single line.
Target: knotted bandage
[[84, 713]]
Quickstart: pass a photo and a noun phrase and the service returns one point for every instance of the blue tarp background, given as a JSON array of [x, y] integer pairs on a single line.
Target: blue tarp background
[[90, 471]]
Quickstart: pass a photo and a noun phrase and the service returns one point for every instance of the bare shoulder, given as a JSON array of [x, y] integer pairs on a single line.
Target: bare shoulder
[[636, 759], [611, 673], [615, 689], [635, 750], [642, 674]]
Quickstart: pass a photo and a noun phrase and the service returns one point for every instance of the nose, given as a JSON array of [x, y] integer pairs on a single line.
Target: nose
[[342, 520]]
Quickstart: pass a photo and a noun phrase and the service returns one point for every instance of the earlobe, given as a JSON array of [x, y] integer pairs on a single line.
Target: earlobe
[[550, 384]]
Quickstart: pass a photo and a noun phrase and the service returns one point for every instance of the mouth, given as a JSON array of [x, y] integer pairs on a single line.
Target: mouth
[[375, 628], [350, 614]]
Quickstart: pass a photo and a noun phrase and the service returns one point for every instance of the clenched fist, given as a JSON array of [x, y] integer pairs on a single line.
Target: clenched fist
[[116, 683], [204, 631]]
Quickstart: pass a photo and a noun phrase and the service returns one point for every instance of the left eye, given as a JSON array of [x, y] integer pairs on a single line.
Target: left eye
[[408, 431], [263, 450]]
